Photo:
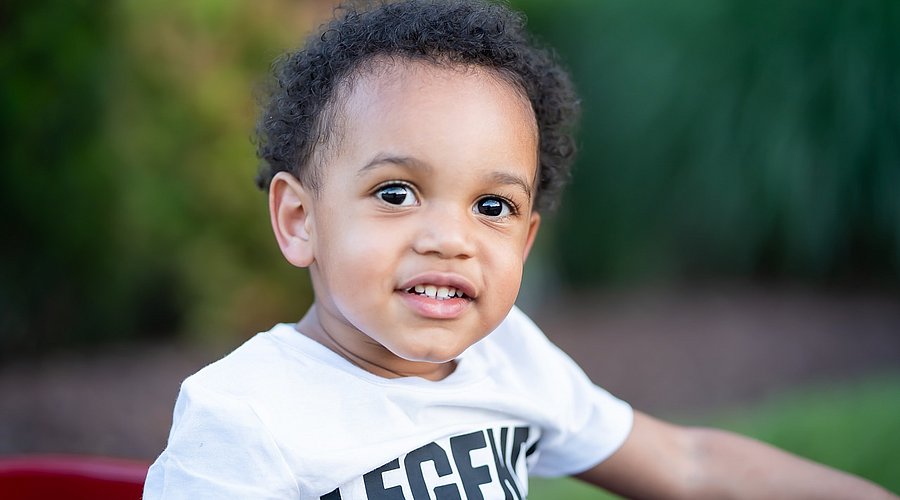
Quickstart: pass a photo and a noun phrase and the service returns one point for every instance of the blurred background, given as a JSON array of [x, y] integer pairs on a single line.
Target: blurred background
[[728, 252]]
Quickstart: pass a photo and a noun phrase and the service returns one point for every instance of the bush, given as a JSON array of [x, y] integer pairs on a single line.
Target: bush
[[727, 139], [127, 183]]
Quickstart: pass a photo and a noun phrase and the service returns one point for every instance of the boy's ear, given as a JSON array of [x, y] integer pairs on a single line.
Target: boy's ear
[[532, 233], [290, 210]]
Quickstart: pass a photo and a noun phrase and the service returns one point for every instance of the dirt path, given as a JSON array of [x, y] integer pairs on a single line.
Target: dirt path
[[669, 352], [685, 353]]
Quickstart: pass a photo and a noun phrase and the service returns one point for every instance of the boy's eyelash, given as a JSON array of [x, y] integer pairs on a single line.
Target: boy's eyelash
[[385, 184], [513, 206]]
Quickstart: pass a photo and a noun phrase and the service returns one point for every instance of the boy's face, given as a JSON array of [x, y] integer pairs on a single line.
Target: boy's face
[[417, 236]]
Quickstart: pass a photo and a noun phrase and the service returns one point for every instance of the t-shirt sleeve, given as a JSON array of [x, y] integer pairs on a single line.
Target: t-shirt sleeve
[[587, 423], [218, 448]]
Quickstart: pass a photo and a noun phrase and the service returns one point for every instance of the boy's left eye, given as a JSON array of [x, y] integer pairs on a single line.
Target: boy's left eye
[[397, 194], [493, 207]]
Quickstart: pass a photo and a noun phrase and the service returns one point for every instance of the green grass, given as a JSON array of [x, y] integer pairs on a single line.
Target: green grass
[[852, 426]]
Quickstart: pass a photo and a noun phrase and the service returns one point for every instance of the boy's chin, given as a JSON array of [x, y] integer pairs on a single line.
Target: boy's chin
[[433, 356]]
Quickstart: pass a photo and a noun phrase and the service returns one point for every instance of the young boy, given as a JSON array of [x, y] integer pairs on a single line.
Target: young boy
[[410, 150]]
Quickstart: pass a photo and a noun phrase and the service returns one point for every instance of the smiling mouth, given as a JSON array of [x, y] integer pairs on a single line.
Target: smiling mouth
[[437, 292]]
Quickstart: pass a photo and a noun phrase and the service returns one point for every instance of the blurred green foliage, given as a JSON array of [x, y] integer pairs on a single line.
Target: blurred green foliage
[[731, 139], [127, 179], [721, 139], [57, 191]]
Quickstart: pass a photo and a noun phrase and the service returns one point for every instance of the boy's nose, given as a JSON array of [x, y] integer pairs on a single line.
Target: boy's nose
[[447, 234]]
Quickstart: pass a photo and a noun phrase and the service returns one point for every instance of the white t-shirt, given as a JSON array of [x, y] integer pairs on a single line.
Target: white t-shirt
[[285, 417]]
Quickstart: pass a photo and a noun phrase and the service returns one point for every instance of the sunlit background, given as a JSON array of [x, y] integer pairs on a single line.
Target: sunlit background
[[728, 251]]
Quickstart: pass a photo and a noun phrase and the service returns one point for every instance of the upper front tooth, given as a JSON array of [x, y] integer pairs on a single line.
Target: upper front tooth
[[431, 291], [443, 292]]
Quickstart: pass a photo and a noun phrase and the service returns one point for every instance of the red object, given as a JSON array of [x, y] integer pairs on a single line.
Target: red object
[[74, 477]]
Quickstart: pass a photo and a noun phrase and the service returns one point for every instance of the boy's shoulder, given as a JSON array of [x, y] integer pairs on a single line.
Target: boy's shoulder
[[262, 361]]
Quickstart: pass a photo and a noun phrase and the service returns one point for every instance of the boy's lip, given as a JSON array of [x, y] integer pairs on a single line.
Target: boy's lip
[[442, 279]]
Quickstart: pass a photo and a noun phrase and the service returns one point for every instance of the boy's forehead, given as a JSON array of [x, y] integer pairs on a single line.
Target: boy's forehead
[[388, 84], [385, 77], [417, 108]]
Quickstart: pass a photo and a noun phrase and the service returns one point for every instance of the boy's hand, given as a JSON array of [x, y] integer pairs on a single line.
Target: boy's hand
[[661, 460]]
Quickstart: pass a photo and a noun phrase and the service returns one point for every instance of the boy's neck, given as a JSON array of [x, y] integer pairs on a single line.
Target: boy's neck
[[375, 359]]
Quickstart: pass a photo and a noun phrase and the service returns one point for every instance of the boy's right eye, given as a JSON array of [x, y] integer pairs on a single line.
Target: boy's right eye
[[397, 194]]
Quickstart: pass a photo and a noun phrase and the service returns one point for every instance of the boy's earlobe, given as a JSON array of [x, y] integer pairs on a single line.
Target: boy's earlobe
[[290, 212]]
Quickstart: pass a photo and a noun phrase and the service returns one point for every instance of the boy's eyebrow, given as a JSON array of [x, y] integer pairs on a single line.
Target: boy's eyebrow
[[406, 161], [498, 177], [508, 179]]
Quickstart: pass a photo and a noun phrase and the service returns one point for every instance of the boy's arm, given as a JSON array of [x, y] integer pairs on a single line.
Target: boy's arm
[[661, 460], [218, 448]]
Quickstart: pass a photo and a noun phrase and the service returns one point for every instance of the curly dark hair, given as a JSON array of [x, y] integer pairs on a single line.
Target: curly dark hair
[[300, 112]]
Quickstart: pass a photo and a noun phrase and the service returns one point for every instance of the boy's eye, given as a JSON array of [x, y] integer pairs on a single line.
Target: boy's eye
[[493, 207], [397, 194]]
